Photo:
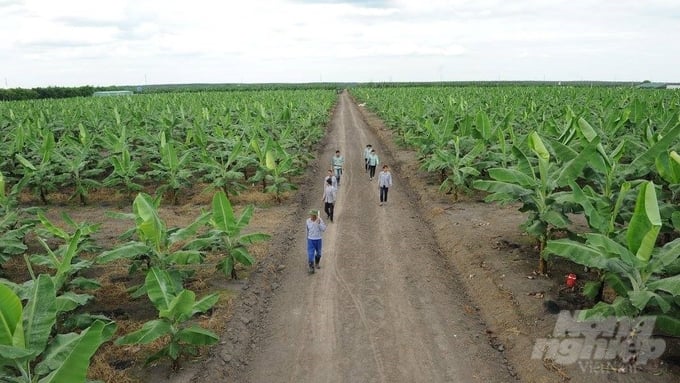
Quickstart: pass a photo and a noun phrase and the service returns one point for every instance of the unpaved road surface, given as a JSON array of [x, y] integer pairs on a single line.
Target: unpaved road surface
[[385, 306]]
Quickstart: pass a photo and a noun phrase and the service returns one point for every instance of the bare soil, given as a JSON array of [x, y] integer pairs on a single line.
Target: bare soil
[[423, 289]]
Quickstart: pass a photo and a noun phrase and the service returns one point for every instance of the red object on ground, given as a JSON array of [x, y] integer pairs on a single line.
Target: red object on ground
[[571, 280]]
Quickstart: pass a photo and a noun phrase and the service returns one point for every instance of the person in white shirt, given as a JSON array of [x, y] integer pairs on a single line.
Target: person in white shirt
[[315, 229], [384, 183], [337, 162], [329, 195]]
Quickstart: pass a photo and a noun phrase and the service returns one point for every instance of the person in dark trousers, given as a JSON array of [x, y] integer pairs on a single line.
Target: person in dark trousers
[[367, 153], [315, 229], [372, 162], [337, 162], [384, 183], [329, 195]]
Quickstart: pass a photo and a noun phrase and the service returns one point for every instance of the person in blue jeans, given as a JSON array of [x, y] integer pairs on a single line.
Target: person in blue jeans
[[315, 229]]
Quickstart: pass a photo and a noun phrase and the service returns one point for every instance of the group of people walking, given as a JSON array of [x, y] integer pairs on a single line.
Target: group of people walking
[[315, 225]]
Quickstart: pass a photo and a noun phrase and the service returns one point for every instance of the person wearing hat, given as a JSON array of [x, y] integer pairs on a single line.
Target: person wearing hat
[[315, 229], [329, 194]]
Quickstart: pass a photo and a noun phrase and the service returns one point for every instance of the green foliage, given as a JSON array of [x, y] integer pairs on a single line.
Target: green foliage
[[226, 234], [222, 163], [156, 245], [455, 164], [173, 170], [29, 353], [176, 306], [536, 187], [39, 171], [643, 275]]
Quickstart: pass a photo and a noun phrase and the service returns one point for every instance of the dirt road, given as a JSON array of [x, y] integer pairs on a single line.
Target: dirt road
[[384, 307]]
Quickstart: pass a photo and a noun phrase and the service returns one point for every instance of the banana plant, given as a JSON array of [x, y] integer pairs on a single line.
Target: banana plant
[[13, 225], [156, 245], [125, 173], [537, 189], [643, 275], [261, 152], [173, 170], [226, 234], [455, 165], [13, 230], [275, 166], [66, 265], [280, 167], [176, 306], [40, 177], [79, 171], [28, 351], [221, 166]]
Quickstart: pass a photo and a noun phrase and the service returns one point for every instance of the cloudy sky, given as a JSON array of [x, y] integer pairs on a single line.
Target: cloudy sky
[[130, 42]]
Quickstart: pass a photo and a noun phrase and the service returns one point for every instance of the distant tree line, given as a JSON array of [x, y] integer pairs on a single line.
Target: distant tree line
[[14, 94], [87, 91]]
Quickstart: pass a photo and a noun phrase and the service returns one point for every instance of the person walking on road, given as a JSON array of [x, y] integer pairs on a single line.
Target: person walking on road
[[337, 162], [329, 195], [367, 153], [372, 162], [330, 176], [384, 183], [315, 229]]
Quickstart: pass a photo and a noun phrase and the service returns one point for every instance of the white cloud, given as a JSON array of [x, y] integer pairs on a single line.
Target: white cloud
[[104, 42]]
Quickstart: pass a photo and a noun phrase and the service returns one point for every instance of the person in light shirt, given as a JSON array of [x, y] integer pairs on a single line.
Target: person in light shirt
[[330, 176], [384, 183], [329, 195], [367, 153], [338, 161], [373, 162], [315, 229]]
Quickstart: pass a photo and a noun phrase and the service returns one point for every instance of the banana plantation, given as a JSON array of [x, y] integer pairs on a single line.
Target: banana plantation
[[607, 154], [148, 150]]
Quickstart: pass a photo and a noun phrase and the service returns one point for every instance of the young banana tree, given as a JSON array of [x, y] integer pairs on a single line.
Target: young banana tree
[[13, 226], [226, 234], [221, 166], [29, 353], [126, 172], [280, 166], [173, 170], [455, 164], [537, 189], [66, 265], [155, 244], [176, 306], [644, 276], [40, 177], [79, 171]]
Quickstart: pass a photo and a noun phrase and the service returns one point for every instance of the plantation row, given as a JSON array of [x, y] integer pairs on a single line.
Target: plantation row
[[227, 140], [606, 153], [164, 144]]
